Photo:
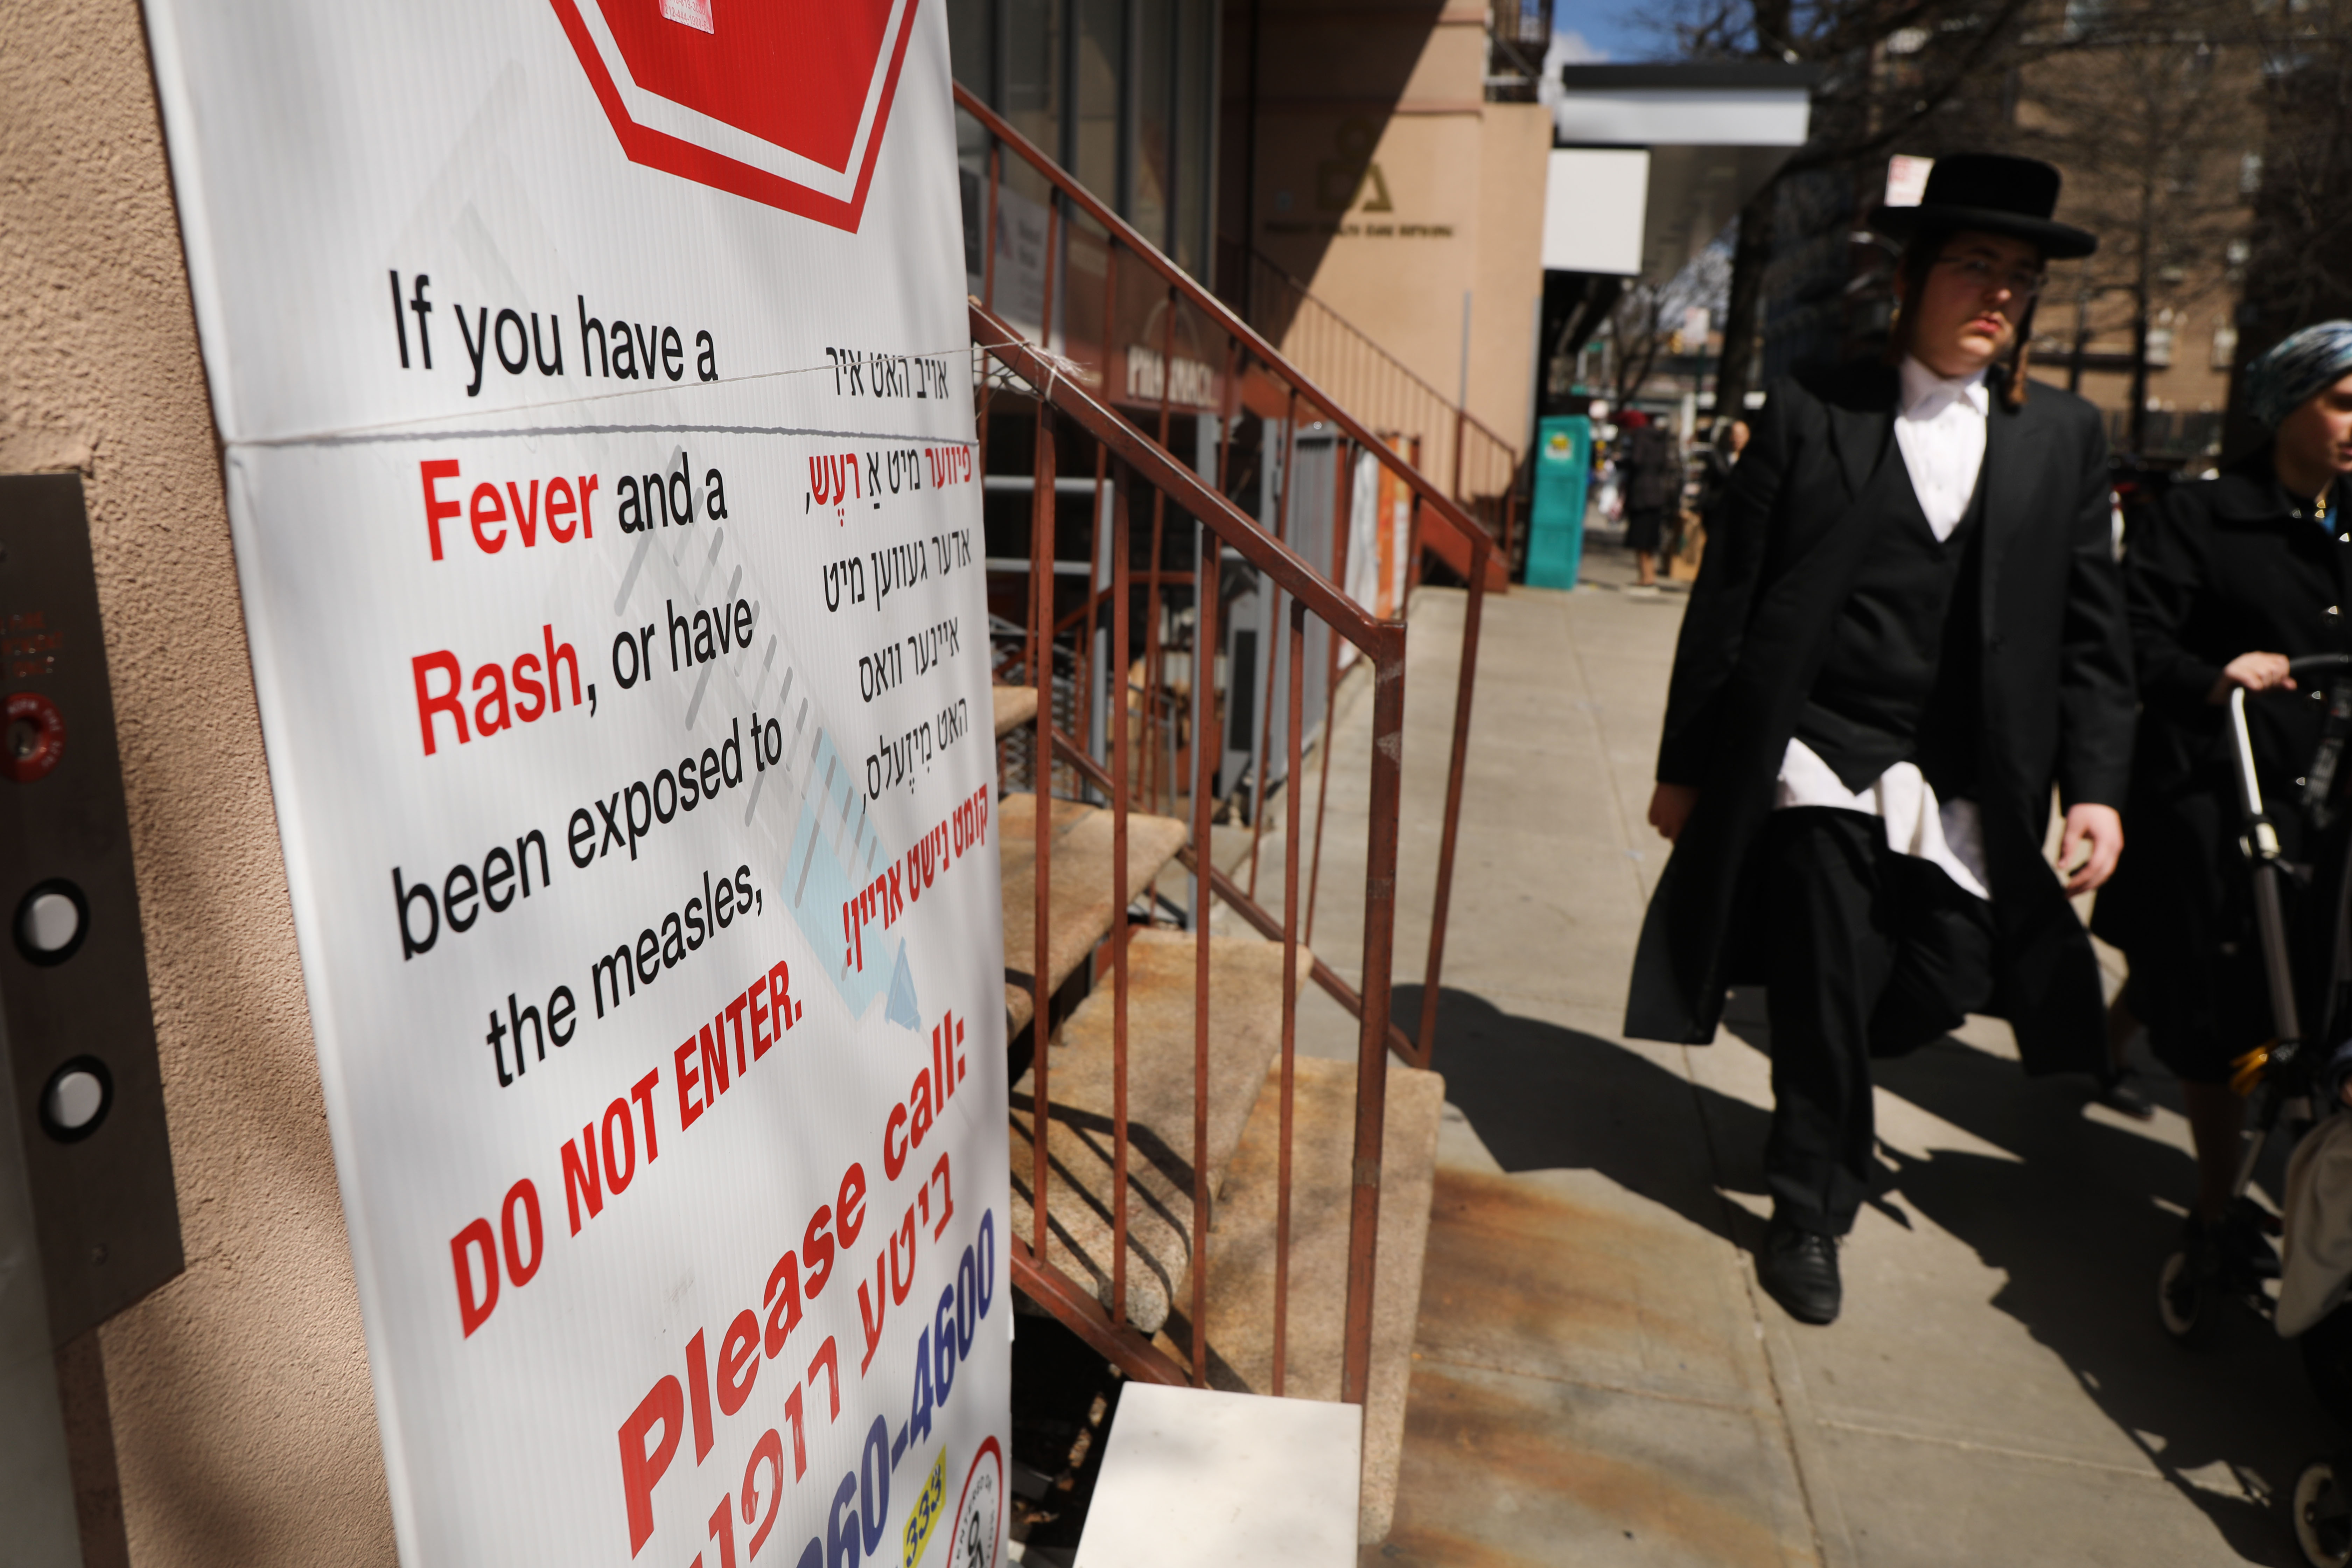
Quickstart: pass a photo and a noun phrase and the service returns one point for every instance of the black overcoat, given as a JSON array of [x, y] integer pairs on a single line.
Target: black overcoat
[[2057, 690], [1652, 481], [2224, 567]]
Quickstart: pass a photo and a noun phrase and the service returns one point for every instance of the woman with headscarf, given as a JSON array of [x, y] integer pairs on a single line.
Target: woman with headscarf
[[2229, 580]]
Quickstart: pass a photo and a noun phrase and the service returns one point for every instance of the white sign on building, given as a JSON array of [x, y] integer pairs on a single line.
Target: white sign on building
[[1595, 200], [597, 432]]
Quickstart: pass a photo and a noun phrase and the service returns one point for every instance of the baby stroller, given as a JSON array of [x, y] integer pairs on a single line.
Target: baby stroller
[[2293, 1083]]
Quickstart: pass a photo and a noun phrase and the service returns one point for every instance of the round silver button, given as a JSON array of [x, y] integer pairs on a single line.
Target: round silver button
[[51, 923], [75, 1100]]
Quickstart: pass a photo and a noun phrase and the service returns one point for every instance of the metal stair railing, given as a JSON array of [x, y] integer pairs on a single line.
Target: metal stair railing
[[1443, 436], [1127, 465], [1080, 267]]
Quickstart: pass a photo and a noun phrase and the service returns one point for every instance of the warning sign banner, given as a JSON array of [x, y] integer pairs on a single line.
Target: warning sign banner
[[599, 443]]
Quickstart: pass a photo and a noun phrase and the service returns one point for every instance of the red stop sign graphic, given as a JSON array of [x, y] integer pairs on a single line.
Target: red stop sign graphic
[[778, 102]]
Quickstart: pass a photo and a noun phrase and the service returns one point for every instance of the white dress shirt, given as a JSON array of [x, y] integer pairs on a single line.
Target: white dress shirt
[[1940, 427]]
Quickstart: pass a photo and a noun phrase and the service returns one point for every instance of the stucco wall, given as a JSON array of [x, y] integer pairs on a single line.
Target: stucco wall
[[244, 1424], [1515, 153], [1389, 186]]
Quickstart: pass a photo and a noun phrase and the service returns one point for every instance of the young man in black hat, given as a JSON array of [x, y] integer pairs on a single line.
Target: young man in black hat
[[1909, 625]]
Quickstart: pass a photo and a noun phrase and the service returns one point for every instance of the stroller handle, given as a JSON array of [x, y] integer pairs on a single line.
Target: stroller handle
[[2312, 661], [2270, 914], [2250, 791]]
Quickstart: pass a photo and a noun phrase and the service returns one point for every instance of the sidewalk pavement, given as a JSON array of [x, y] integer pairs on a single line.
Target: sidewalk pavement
[[1597, 1379]]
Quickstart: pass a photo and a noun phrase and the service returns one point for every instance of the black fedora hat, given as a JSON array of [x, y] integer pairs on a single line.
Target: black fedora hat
[[1993, 193]]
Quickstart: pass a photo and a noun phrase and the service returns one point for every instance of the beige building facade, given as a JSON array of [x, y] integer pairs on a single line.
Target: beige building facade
[[2159, 140], [1360, 155]]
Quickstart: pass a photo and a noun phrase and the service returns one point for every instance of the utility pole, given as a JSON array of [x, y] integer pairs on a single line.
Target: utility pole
[[2142, 280], [2082, 337]]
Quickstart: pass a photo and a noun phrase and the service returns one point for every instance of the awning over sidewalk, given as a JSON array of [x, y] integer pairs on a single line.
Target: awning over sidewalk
[[1667, 152]]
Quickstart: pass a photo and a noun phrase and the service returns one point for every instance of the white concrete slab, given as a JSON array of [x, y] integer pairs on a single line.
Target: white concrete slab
[[1192, 1477]]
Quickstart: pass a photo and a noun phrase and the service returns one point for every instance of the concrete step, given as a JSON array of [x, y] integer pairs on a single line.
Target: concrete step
[[1016, 705], [1241, 1254], [1245, 1035], [1192, 1477], [1082, 910]]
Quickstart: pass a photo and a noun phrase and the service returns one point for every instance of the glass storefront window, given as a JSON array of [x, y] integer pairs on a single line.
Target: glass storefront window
[[971, 46], [1031, 41], [1122, 92], [1195, 110], [1099, 74], [1155, 68]]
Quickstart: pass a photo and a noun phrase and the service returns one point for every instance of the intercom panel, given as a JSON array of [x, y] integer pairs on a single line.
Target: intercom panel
[[76, 1021]]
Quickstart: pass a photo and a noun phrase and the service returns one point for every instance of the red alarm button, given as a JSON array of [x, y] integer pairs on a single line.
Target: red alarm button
[[35, 737]]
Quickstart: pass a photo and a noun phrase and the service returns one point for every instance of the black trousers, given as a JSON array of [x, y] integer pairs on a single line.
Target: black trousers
[[1870, 952], [1646, 527]]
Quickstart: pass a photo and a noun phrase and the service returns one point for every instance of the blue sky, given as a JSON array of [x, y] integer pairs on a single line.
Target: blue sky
[[1615, 30]]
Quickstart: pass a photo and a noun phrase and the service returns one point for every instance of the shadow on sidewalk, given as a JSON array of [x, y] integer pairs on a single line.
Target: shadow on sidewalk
[[1541, 1097], [2070, 1213], [2072, 1219], [2074, 1223]]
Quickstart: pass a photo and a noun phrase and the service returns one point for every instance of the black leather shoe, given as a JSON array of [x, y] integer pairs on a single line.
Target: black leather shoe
[[2118, 1093], [2244, 1243], [1800, 1269]]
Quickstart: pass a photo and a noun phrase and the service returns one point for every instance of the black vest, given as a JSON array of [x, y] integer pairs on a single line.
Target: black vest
[[1901, 680]]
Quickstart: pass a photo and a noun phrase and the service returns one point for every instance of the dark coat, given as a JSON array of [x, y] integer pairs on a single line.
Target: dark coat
[[2221, 567], [1716, 467], [2225, 566], [2057, 690], [1652, 473]]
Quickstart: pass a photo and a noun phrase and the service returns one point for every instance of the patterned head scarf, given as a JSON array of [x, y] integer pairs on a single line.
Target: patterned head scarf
[[2302, 365]]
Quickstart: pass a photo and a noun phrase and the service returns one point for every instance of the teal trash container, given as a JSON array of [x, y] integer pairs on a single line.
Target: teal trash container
[[1556, 531]]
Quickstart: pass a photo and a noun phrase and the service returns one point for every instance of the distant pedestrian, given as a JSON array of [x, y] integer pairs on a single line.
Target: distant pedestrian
[[2227, 580], [1722, 455], [1653, 484], [1717, 459], [1909, 625]]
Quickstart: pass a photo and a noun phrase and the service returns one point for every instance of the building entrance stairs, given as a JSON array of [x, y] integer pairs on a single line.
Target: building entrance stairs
[[1195, 1198], [1243, 1129]]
